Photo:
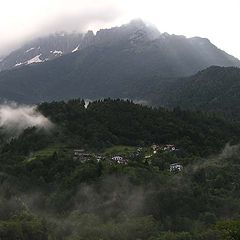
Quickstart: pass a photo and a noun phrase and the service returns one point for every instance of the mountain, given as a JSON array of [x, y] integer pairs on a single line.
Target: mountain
[[214, 89], [56, 45], [118, 62], [44, 49]]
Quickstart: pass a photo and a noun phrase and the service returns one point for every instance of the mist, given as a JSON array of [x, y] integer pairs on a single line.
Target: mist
[[19, 117], [50, 17], [21, 21], [96, 207]]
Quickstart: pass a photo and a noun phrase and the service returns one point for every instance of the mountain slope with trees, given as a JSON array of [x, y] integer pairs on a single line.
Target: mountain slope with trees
[[215, 89], [46, 194]]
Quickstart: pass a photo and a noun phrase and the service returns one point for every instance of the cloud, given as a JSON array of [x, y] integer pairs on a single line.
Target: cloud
[[227, 155], [31, 19], [230, 151], [19, 117], [25, 19], [112, 196], [82, 20]]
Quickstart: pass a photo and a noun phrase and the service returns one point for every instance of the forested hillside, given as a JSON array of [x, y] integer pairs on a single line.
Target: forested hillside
[[215, 89], [48, 193]]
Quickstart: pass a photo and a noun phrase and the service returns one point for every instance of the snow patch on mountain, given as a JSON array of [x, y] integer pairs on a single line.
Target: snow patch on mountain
[[35, 60], [18, 64], [51, 47], [56, 52], [76, 49], [29, 50]]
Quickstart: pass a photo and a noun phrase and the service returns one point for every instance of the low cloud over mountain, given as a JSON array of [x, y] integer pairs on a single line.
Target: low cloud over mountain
[[19, 117]]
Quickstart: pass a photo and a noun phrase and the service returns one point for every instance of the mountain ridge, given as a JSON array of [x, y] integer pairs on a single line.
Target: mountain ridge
[[120, 62], [55, 45]]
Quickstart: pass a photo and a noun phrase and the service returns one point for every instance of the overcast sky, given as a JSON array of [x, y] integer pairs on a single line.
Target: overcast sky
[[217, 20]]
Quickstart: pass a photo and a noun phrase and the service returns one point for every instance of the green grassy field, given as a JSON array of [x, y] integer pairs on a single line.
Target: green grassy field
[[120, 150], [46, 152], [125, 150]]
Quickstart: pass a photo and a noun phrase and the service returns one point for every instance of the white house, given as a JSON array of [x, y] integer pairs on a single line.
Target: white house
[[78, 152], [80, 155], [169, 147], [120, 160], [176, 167], [117, 158]]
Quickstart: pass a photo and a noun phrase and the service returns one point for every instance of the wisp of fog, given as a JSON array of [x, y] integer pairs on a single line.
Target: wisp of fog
[[20, 117]]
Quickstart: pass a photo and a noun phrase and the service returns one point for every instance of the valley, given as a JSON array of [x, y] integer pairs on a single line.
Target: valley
[[121, 133], [176, 178]]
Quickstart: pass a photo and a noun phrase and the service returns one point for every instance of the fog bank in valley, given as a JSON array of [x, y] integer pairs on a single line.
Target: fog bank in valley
[[19, 117]]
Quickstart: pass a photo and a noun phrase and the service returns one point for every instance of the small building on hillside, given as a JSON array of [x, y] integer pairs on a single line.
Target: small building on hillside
[[81, 156], [169, 147], [139, 149], [175, 167], [166, 148], [117, 158], [99, 158], [155, 147], [78, 152], [120, 160]]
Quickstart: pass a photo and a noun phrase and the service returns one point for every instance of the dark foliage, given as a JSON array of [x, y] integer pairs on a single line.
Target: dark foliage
[[46, 194]]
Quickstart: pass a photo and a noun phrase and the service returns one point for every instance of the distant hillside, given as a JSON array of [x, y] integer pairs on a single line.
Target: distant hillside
[[118, 62], [215, 89]]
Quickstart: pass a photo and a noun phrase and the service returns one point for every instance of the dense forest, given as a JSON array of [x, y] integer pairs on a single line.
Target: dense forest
[[46, 193]]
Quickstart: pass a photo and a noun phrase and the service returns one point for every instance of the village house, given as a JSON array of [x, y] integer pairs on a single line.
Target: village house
[[81, 156], [169, 147], [78, 152], [117, 158], [155, 147], [139, 149], [166, 147], [120, 160], [99, 158], [176, 167]]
